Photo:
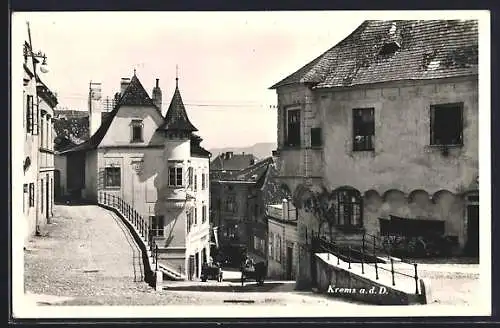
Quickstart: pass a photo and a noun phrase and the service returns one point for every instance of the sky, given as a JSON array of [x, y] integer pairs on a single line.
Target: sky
[[226, 60]]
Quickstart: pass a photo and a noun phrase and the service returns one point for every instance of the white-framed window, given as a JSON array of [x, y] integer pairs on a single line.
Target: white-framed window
[[195, 182], [175, 177], [195, 215], [203, 213], [203, 181], [137, 130], [112, 177], [190, 178], [189, 219], [157, 225]]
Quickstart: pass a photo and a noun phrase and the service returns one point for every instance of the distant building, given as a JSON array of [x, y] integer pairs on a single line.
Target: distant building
[[239, 208], [385, 124], [283, 242], [155, 164], [228, 163]]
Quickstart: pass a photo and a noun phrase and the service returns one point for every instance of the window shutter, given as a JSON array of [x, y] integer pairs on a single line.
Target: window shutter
[[34, 117], [29, 112]]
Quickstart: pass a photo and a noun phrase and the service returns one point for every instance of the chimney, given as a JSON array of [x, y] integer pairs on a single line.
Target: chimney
[[156, 94], [125, 81], [95, 107], [284, 209]]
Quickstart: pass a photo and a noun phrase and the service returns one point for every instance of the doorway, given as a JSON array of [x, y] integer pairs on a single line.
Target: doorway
[[191, 267], [47, 199], [57, 185], [472, 245], [289, 262], [197, 264]]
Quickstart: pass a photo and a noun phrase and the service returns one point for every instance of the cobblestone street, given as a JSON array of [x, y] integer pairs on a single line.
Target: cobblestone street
[[88, 257]]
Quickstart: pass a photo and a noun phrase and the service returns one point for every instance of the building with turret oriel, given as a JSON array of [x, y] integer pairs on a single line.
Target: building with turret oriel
[[154, 164]]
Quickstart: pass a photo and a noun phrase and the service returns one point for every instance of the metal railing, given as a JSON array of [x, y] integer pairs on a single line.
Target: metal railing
[[141, 224], [345, 252]]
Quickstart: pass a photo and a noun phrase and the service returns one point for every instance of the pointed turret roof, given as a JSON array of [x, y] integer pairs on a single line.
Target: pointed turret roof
[[176, 118], [135, 94]]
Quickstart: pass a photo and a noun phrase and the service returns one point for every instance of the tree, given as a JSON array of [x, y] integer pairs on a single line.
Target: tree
[[323, 206]]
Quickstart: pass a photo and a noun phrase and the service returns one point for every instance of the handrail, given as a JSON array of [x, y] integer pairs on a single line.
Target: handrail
[[135, 219], [321, 244]]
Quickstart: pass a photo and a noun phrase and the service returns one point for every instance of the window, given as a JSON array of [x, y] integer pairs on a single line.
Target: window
[[42, 135], [41, 196], [189, 218], [349, 208], [278, 248], [447, 124], [137, 126], [175, 176], [25, 194], [230, 204], [32, 195], [255, 242], [271, 249], [195, 182], [190, 177], [203, 213], [203, 181], [30, 115], [195, 216], [292, 138], [256, 210], [316, 137], [157, 225], [363, 121], [112, 177]]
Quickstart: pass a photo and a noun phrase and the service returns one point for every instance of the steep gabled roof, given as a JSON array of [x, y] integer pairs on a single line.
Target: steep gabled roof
[[236, 162], [97, 137], [135, 94], [382, 51], [176, 118]]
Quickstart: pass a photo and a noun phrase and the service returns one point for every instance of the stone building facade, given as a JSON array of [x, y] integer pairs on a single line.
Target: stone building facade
[[385, 124], [154, 163]]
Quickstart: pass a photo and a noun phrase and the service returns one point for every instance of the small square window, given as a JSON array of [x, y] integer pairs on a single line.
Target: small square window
[[112, 177], [446, 124]]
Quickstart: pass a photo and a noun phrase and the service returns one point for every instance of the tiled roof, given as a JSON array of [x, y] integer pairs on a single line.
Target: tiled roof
[[62, 143], [236, 162], [196, 149], [135, 94], [176, 118], [255, 172], [426, 49]]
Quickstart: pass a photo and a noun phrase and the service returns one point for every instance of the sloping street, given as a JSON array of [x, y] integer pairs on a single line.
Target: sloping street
[[88, 257]]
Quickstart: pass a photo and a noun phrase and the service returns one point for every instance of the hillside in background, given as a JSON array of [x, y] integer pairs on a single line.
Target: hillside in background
[[260, 150]]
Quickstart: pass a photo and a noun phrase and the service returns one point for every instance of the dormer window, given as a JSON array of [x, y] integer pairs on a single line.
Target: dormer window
[[137, 127], [389, 48]]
